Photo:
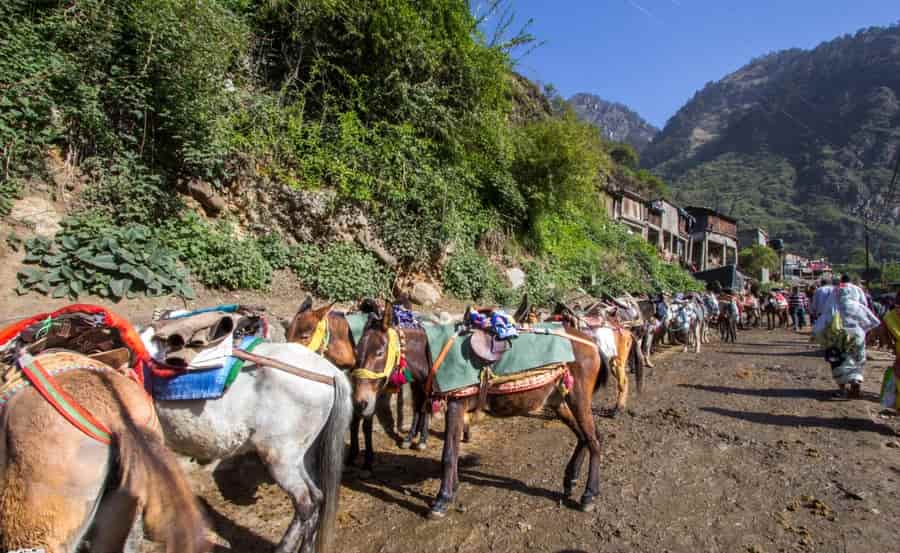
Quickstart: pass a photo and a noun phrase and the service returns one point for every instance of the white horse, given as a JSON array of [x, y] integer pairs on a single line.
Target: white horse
[[296, 426]]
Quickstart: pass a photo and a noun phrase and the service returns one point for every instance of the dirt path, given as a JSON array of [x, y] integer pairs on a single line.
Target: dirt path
[[738, 449]]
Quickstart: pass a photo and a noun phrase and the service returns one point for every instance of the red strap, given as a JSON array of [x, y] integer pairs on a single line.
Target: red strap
[[61, 401]]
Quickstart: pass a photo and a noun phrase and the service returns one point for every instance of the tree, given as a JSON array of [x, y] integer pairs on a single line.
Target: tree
[[626, 155], [757, 257]]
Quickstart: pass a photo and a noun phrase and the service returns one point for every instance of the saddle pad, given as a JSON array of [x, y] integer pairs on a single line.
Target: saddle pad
[[357, 322], [198, 384], [461, 367]]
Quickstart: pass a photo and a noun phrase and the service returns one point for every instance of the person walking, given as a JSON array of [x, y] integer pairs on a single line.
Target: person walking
[[846, 339], [798, 305], [890, 386], [819, 299]]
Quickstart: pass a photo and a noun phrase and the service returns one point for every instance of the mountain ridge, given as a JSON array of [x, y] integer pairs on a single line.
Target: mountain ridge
[[802, 142], [618, 122]]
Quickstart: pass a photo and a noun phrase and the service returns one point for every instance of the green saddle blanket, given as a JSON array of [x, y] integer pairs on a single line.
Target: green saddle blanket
[[357, 322], [461, 368]]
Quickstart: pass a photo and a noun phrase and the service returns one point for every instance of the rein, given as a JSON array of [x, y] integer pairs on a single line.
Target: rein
[[261, 361]]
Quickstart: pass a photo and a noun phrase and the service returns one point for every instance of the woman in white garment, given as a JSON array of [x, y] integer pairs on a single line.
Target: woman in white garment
[[847, 357]]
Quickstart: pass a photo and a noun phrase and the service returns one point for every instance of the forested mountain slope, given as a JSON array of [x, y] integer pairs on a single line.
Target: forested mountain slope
[[800, 142]]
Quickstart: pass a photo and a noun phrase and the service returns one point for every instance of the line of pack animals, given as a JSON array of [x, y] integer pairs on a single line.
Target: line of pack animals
[[93, 408]]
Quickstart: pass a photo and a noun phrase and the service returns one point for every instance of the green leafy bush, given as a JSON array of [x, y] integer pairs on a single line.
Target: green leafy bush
[[341, 271], [470, 275], [10, 190], [274, 250], [126, 192], [90, 257], [215, 256]]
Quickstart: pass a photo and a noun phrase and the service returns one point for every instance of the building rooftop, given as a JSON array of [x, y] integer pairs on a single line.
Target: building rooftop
[[698, 210]]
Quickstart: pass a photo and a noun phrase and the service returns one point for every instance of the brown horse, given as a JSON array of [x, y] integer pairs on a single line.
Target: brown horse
[[59, 487], [340, 350], [776, 314], [370, 380], [572, 405]]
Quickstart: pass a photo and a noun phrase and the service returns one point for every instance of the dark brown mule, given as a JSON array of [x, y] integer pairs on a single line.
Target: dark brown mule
[[574, 408], [371, 378], [340, 350]]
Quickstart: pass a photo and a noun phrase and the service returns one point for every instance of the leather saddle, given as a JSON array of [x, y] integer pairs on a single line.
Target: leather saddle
[[487, 347]]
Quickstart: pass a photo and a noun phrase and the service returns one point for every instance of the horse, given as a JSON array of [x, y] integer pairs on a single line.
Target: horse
[[571, 404], [728, 319], [711, 313], [751, 310], [684, 326], [296, 425], [653, 330], [776, 312], [59, 487], [618, 347], [340, 350]]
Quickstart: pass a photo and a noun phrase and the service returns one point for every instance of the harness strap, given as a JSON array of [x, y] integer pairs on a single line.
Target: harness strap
[[261, 361], [429, 383], [321, 335], [239, 364], [46, 385]]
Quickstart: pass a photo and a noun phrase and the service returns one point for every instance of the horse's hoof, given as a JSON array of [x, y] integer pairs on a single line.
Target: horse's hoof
[[615, 412], [587, 505], [405, 445], [439, 509], [420, 446]]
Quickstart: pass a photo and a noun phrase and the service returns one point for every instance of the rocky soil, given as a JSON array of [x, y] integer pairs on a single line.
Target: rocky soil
[[738, 449]]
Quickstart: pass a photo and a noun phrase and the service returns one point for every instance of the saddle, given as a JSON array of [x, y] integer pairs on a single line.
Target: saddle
[[492, 333]]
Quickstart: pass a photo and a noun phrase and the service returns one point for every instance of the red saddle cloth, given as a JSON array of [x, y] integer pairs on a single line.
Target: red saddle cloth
[[127, 336]]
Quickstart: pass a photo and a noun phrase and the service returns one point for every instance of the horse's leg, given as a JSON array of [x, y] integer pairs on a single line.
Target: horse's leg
[[453, 424], [573, 468], [621, 375], [413, 428], [369, 455], [117, 514], [421, 416], [285, 463], [467, 429], [423, 430], [354, 440], [579, 400], [401, 395]]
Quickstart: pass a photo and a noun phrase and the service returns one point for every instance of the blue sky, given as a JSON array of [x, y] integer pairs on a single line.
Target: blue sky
[[652, 55]]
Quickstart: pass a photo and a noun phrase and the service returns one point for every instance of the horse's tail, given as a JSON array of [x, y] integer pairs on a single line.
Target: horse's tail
[[149, 472], [331, 459], [603, 375]]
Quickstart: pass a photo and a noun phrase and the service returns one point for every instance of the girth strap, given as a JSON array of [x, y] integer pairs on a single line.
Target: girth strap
[[47, 386]]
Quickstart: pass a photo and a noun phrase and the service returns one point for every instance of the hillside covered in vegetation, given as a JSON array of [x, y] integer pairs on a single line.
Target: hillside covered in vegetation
[[359, 144], [803, 143]]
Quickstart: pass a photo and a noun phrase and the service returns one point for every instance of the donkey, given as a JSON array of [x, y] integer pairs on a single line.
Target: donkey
[[571, 404], [59, 487], [776, 312], [296, 426], [340, 350], [728, 319], [685, 325]]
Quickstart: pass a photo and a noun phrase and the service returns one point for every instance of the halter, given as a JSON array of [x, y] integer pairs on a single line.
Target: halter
[[321, 336], [394, 358]]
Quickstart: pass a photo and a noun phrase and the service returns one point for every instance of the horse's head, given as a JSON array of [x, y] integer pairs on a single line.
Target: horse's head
[[307, 321], [371, 361]]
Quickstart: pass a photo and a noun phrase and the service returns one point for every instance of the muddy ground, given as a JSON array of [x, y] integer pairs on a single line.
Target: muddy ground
[[738, 449]]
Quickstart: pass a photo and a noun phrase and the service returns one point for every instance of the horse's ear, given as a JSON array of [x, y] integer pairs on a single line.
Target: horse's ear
[[322, 311], [388, 318], [306, 305]]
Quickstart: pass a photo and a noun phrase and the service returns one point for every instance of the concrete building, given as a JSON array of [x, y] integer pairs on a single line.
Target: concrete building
[[630, 209], [668, 228], [714, 241]]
